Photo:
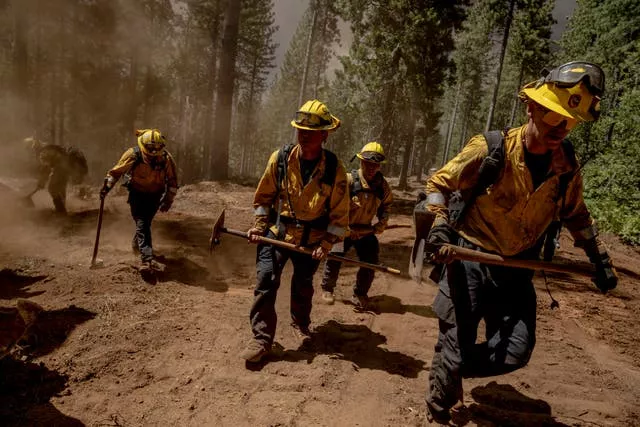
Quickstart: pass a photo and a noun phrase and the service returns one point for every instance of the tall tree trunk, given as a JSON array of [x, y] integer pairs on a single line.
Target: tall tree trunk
[[387, 114], [323, 29], [452, 122], [516, 98], [408, 150], [224, 100], [503, 49], [20, 52], [209, 97], [307, 55]]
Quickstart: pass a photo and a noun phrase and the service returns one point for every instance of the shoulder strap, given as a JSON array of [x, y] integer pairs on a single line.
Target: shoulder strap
[[488, 174], [283, 155], [330, 168], [356, 185]]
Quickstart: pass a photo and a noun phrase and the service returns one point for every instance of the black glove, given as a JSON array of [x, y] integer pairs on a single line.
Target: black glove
[[442, 234], [606, 276], [104, 191]]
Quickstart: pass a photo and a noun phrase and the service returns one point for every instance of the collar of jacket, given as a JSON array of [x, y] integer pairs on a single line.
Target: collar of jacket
[[293, 163], [561, 163]]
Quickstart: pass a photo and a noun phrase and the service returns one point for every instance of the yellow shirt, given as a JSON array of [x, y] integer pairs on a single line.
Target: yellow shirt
[[304, 202], [512, 215], [365, 205], [145, 178]]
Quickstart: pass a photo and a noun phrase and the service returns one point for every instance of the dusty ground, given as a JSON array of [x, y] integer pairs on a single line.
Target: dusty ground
[[114, 350]]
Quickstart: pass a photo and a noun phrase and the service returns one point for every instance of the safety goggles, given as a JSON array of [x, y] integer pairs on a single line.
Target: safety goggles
[[571, 74], [310, 120], [372, 156], [554, 119]]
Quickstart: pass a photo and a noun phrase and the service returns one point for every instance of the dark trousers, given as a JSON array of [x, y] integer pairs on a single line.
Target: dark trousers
[[58, 188], [144, 207], [270, 262], [368, 250], [505, 298]]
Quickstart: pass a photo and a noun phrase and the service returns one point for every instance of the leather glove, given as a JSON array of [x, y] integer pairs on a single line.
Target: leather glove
[[606, 276], [441, 234]]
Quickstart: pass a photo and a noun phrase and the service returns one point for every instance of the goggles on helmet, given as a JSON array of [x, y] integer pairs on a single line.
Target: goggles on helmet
[[372, 156], [310, 120], [572, 73]]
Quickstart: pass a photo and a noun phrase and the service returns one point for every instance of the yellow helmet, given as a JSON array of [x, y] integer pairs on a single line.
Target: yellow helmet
[[151, 142], [314, 115], [372, 152], [32, 144], [572, 90]]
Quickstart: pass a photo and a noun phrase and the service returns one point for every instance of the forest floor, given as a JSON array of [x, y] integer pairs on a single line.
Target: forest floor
[[114, 350]]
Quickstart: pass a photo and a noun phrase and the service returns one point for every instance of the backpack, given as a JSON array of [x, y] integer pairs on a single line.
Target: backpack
[[78, 163], [356, 186], [488, 174]]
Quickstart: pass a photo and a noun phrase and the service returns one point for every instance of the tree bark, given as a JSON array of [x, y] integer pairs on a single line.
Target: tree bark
[[224, 101], [503, 49]]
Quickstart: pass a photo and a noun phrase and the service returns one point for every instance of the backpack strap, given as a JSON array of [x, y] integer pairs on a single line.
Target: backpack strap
[[330, 168], [488, 174], [356, 185]]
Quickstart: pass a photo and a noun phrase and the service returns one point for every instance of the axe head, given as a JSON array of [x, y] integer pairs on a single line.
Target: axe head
[[218, 226], [422, 221]]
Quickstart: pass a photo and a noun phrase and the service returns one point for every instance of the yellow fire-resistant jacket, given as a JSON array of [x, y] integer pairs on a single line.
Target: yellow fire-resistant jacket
[[365, 205], [309, 202], [145, 177], [511, 217]]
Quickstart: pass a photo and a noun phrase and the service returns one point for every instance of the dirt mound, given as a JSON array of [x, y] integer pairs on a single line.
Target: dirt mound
[[111, 349]]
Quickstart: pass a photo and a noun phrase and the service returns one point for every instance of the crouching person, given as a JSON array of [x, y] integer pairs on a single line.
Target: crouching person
[[150, 177]]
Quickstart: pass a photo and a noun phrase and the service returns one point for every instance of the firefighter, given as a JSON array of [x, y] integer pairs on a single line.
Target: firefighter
[[371, 198], [302, 198], [150, 177], [58, 165], [509, 218]]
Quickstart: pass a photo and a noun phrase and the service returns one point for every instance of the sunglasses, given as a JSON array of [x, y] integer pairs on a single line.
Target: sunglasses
[[569, 75], [310, 120], [554, 119]]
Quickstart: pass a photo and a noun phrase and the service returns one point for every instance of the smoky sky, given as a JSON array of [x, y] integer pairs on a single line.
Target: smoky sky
[[289, 12]]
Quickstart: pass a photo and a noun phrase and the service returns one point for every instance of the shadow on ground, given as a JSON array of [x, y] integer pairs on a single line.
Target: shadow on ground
[[503, 405], [388, 304], [355, 343], [25, 392], [12, 283], [51, 329]]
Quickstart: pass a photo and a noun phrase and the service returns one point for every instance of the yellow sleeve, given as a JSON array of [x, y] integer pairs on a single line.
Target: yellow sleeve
[[171, 178], [460, 174], [575, 214], [338, 209], [384, 209], [123, 165], [265, 194]]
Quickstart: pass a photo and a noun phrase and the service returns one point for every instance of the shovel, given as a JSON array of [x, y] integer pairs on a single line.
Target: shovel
[[219, 228]]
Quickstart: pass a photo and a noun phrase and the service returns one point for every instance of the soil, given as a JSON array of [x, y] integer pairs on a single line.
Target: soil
[[111, 349]]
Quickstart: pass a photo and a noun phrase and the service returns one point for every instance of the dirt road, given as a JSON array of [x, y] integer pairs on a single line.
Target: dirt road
[[113, 350]]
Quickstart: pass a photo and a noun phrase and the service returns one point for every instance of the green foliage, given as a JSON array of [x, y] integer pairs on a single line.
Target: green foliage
[[606, 33]]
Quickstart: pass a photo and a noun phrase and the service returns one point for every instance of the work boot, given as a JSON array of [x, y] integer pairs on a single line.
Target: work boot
[[152, 265], [254, 352], [438, 417], [301, 334], [359, 302], [328, 298]]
